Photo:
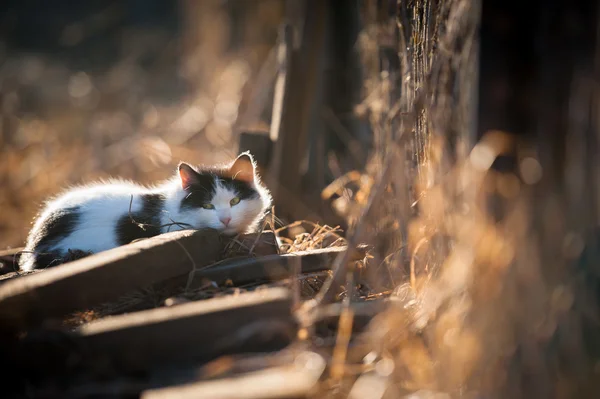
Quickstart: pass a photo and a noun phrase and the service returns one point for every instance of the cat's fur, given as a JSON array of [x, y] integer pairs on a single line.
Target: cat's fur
[[105, 215]]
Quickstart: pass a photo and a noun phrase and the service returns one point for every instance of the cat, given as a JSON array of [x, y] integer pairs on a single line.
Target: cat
[[88, 219]]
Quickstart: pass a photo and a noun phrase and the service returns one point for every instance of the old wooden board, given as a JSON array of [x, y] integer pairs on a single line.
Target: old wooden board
[[296, 92], [294, 381], [259, 321], [28, 301], [266, 268], [6, 277], [257, 244]]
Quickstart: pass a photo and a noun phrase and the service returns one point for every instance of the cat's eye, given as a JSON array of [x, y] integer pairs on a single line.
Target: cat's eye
[[208, 206], [234, 201]]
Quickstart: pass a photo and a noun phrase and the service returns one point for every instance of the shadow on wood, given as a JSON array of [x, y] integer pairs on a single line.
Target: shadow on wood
[[54, 293], [160, 338], [266, 268], [298, 379]]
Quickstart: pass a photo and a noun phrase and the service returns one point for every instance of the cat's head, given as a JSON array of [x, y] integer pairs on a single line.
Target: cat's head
[[228, 198]]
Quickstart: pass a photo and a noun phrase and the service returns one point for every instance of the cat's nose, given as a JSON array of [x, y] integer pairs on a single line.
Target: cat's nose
[[225, 221]]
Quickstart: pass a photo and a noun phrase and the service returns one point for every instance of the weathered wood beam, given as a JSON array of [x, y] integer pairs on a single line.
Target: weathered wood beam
[[296, 90], [255, 244], [294, 381], [249, 322], [6, 277], [195, 332], [28, 301], [267, 268]]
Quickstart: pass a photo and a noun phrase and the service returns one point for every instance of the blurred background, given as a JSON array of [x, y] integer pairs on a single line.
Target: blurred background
[[458, 138], [129, 88]]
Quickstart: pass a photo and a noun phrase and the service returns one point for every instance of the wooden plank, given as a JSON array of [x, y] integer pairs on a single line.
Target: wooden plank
[[297, 87], [6, 277], [294, 381], [259, 321], [266, 268], [27, 301], [256, 244], [198, 330]]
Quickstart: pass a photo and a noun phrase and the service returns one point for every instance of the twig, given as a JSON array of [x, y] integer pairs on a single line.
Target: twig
[[338, 184], [295, 281], [258, 237], [235, 240], [273, 220], [344, 333], [143, 226], [413, 278], [194, 267], [327, 294], [174, 223]]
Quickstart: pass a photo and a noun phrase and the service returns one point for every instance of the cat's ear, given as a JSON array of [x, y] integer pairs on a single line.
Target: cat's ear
[[187, 175], [243, 168]]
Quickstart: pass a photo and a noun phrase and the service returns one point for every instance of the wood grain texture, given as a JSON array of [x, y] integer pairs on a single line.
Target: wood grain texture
[[196, 331], [242, 271], [294, 381], [27, 301]]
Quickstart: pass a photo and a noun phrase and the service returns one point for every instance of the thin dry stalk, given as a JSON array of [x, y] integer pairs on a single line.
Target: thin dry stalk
[[344, 333]]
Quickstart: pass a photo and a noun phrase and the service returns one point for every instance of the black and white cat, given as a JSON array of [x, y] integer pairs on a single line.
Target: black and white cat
[[93, 218]]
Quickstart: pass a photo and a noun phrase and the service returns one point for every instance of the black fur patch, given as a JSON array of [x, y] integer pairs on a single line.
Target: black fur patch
[[45, 258], [56, 227], [204, 190], [243, 190], [201, 192], [142, 224]]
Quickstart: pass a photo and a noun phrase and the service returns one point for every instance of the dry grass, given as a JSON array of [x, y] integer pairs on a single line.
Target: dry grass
[[321, 236], [486, 287]]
